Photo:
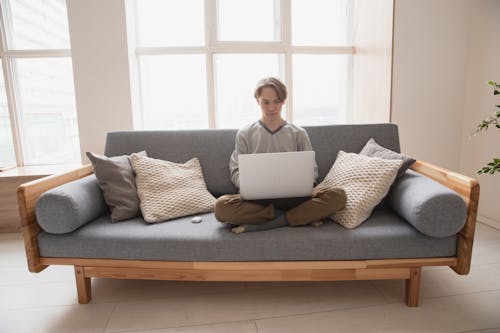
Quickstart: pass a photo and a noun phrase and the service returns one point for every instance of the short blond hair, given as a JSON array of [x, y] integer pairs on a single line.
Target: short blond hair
[[271, 82]]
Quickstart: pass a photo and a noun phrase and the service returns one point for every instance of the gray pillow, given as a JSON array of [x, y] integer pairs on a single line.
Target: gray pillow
[[69, 206], [373, 149], [430, 207], [117, 181]]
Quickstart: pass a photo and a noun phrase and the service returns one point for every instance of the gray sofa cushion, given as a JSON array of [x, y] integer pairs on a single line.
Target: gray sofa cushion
[[430, 207], [214, 147], [383, 235], [67, 207]]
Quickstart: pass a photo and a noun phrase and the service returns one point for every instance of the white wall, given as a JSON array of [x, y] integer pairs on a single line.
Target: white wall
[[444, 53], [372, 61], [101, 70], [429, 58], [483, 65]]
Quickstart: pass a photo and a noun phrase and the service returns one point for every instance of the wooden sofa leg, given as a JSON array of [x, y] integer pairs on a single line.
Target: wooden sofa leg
[[83, 286], [413, 287]]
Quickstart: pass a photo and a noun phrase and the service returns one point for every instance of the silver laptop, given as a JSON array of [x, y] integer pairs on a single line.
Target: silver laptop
[[276, 175]]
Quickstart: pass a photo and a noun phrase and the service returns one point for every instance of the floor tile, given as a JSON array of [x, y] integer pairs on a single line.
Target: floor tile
[[485, 253], [113, 290], [491, 330], [445, 282], [486, 234], [254, 286], [12, 252], [62, 319], [17, 275], [35, 295], [238, 327], [448, 314], [208, 309]]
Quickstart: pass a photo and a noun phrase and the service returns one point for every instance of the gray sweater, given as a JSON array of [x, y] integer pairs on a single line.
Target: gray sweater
[[256, 138]]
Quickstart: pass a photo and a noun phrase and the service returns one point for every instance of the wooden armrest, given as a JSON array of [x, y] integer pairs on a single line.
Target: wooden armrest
[[468, 188], [27, 196]]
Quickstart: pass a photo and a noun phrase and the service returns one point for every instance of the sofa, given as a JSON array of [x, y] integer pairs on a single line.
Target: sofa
[[407, 231]]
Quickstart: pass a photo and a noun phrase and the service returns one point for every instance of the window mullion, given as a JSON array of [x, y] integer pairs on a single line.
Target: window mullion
[[6, 24], [15, 112], [170, 50], [350, 67], [210, 37], [211, 24], [211, 90], [10, 87], [286, 35], [54, 53]]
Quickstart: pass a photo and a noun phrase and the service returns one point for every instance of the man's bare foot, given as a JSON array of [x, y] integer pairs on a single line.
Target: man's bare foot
[[317, 223], [239, 229]]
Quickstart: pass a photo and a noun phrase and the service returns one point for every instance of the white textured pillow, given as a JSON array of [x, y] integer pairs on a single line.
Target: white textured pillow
[[168, 190], [366, 181]]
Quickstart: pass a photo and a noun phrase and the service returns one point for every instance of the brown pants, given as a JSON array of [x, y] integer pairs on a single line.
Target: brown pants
[[230, 208]]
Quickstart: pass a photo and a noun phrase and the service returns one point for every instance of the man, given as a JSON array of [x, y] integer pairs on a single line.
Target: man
[[272, 134]]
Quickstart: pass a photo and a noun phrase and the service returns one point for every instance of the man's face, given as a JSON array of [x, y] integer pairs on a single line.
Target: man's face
[[270, 103]]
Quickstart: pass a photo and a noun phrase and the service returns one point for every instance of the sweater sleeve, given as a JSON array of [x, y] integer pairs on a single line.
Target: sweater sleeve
[[304, 144], [240, 147]]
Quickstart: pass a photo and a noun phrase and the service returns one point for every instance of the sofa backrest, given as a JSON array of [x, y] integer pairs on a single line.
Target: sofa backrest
[[214, 147]]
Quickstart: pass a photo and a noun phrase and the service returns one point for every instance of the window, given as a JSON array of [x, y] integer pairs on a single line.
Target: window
[[199, 60], [38, 84], [7, 157]]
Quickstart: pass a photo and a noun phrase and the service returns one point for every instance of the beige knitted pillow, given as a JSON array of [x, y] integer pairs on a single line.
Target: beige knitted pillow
[[366, 181], [168, 190]]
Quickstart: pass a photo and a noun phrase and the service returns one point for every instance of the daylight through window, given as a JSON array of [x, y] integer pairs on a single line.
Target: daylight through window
[[199, 60]]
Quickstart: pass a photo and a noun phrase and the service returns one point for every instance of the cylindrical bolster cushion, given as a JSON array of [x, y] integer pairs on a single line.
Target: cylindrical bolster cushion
[[430, 207], [67, 207]]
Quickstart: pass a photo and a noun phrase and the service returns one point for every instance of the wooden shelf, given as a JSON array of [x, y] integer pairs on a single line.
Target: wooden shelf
[[38, 170]]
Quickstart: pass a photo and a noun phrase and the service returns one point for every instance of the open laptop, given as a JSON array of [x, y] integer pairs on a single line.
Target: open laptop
[[276, 175]]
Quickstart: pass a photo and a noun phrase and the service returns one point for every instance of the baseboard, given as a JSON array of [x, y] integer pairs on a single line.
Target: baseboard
[[490, 222]]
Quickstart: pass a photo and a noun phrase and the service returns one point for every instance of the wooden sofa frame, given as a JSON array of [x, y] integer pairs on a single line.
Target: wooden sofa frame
[[407, 269]]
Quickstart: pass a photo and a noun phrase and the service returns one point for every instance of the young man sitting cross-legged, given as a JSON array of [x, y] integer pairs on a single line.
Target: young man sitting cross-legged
[[272, 134]]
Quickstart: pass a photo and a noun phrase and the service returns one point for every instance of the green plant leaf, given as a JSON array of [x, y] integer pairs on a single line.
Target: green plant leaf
[[494, 166], [491, 167]]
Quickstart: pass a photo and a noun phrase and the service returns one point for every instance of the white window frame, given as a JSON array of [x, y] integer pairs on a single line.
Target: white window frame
[[213, 46], [10, 74]]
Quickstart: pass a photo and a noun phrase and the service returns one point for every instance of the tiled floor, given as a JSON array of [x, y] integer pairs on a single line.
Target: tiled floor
[[46, 302]]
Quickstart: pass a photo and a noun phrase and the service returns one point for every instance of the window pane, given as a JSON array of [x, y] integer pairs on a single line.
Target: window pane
[[7, 156], [47, 105], [243, 20], [170, 22], [236, 78], [38, 24], [320, 22], [320, 89], [174, 91]]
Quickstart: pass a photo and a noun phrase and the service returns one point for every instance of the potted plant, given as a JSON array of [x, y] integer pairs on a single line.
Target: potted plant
[[493, 166]]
